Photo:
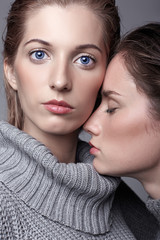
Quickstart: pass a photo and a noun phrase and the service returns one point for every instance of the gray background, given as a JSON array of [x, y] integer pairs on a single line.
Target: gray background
[[132, 12]]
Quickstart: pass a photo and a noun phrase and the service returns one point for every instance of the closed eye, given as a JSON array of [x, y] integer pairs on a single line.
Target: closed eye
[[111, 110]]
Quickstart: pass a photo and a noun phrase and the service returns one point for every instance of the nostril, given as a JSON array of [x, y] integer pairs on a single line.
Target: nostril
[[60, 86], [60, 82]]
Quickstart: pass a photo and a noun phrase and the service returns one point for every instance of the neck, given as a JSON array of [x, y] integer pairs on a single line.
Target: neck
[[151, 181], [62, 146]]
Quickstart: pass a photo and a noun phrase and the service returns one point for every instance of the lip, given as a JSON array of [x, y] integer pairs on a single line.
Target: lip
[[58, 107], [93, 149]]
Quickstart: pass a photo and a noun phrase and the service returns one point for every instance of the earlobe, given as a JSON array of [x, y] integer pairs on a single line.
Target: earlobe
[[10, 75]]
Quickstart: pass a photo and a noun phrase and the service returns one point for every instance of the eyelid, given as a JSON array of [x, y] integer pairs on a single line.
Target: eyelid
[[85, 55], [86, 66], [111, 110], [112, 97], [112, 105], [40, 50]]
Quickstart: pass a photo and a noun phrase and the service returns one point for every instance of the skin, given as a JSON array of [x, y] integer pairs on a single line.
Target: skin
[[64, 62], [125, 137]]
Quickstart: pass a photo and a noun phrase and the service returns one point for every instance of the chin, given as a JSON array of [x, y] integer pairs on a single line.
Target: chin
[[99, 167], [104, 170]]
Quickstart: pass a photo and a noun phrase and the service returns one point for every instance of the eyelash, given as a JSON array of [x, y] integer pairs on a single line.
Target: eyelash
[[91, 61], [111, 110], [45, 56]]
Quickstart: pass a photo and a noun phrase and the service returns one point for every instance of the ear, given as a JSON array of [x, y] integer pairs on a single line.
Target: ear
[[10, 74]]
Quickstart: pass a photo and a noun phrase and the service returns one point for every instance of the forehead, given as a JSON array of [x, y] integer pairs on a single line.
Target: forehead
[[117, 76], [74, 21]]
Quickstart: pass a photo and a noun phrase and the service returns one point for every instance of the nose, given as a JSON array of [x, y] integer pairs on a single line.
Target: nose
[[60, 78], [92, 126]]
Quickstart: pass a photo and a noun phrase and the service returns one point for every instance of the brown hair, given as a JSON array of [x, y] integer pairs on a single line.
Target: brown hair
[[140, 50], [20, 11]]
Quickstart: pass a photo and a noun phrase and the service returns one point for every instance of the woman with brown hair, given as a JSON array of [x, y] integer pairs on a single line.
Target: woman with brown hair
[[125, 128]]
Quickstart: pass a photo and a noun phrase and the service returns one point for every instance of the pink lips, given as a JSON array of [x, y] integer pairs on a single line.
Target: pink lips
[[58, 107], [93, 149]]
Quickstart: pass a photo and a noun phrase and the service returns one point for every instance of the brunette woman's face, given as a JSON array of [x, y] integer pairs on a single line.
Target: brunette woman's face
[[59, 68], [125, 138]]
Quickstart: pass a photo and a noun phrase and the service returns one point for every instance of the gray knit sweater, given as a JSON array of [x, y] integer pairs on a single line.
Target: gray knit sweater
[[42, 199]]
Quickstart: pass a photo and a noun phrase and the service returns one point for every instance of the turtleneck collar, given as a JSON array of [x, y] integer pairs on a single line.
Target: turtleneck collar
[[72, 194], [154, 207]]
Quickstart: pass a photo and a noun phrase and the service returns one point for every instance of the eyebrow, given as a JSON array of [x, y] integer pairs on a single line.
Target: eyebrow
[[108, 93], [84, 46], [39, 41], [80, 47]]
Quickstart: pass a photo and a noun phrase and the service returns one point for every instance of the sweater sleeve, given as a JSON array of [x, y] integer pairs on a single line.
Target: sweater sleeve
[[154, 207]]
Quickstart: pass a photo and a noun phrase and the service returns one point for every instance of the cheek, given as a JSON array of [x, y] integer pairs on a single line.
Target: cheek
[[129, 141], [91, 84], [124, 137], [90, 80], [86, 92], [127, 126], [27, 89], [29, 82]]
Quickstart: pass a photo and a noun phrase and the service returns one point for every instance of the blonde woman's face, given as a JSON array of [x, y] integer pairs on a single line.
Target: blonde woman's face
[[59, 68], [125, 138]]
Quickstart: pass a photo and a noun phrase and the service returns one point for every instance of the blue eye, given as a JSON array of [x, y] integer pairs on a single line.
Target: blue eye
[[86, 61], [38, 55]]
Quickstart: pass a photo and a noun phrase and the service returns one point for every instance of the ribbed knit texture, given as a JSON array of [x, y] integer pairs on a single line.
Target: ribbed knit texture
[[30, 170], [154, 207], [42, 199], [139, 219]]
